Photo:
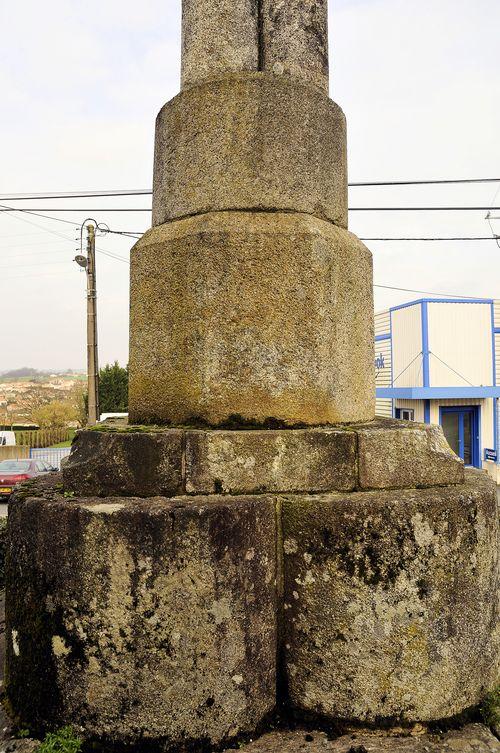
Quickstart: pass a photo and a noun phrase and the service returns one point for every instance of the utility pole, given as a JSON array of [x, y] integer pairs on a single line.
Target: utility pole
[[88, 263], [92, 357]]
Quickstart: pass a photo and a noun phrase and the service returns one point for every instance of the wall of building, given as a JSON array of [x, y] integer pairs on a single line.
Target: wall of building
[[458, 361], [496, 311], [382, 323], [407, 346], [383, 362]]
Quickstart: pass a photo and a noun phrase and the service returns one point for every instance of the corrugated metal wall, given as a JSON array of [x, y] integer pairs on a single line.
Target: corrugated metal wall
[[407, 346], [497, 357], [382, 323], [460, 344], [383, 375], [383, 407], [496, 308]]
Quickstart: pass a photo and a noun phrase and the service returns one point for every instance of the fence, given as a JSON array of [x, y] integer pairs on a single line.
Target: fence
[[13, 452], [42, 437], [52, 456]]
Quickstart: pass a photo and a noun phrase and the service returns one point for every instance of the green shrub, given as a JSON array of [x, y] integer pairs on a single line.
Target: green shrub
[[62, 741]]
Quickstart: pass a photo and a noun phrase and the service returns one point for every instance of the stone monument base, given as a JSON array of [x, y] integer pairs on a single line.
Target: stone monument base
[[178, 584]]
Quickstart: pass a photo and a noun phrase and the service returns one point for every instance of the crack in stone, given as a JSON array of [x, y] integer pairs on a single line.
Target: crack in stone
[[260, 35]]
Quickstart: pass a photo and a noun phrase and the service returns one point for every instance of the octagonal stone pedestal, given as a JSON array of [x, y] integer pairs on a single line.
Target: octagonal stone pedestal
[[139, 620], [153, 588], [391, 608]]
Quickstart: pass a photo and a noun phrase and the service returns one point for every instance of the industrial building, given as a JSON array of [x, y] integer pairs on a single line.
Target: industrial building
[[438, 361]]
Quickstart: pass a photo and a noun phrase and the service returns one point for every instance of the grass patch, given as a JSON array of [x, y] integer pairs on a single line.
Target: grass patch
[[63, 741]]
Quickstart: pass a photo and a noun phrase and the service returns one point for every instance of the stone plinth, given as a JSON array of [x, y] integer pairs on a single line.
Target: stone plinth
[[248, 317], [218, 147], [149, 461], [391, 601], [160, 618], [473, 738], [141, 620]]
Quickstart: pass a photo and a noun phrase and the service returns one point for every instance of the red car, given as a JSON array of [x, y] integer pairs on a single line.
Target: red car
[[12, 472]]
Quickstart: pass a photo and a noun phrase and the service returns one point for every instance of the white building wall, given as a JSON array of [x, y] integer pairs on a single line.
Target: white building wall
[[383, 375], [407, 346], [460, 344], [497, 358], [383, 407], [382, 323], [496, 313]]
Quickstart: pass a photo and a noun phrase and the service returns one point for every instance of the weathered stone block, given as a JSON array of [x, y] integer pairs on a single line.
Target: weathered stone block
[[221, 331], [218, 38], [131, 463], [139, 462], [401, 454], [140, 620], [295, 39], [392, 601], [473, 738], [245, 462], [250, 141]]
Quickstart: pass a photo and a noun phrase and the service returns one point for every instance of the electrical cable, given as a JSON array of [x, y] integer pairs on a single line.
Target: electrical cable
[[94, 210], [407, 367], [60, 235], [474, 238], [148, 192], [452, 369], [427, 292]]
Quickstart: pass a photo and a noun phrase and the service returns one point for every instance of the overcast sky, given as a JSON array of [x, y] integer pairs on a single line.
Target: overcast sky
[[81, 83]]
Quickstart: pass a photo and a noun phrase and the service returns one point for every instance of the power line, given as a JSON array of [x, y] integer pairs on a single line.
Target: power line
[[423, 209], [148, 192], [34, 210], [451, 368], [477, 238], [4, 208], [110, 254], [437, 182], [428, 292]]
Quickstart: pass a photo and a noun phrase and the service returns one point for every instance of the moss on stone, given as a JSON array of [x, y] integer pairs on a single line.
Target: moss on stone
[[490, 708]]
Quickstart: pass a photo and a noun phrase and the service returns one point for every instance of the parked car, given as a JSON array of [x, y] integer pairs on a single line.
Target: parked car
[[12, 472]]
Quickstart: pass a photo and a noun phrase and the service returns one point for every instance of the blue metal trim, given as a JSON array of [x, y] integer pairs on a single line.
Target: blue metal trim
[[495, 400], [436, 393], [405, 305], [392, 363], [425, 344], [427, 411], [378, 338], [496, 330], [441, 300]]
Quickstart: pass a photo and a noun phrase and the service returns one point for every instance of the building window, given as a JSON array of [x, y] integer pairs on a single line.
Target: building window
[[406, 414]]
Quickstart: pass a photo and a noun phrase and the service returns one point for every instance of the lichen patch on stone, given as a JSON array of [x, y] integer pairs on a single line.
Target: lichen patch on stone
[[15, 642]]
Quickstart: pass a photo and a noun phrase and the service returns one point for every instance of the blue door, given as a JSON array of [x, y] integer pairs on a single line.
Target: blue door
[[461, 429]]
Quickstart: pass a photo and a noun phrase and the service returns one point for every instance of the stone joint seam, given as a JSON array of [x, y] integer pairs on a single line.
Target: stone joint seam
[[252, 210]]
